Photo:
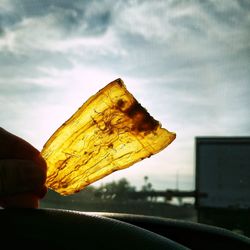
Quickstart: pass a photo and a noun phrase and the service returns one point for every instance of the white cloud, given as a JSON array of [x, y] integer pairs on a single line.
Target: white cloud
[[148, 19], [34, 34], [187, 30], [6, 5], [30, 34]]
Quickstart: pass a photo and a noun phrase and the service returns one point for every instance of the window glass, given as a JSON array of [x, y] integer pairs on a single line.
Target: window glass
[[186, 62]]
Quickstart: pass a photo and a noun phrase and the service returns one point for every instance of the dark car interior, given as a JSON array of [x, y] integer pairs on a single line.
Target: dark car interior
[[68, 229]]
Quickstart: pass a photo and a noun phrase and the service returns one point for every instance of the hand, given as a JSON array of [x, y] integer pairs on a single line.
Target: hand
[[22, 172]]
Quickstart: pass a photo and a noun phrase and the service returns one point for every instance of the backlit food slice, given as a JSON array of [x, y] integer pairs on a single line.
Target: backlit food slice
[[111, 131]]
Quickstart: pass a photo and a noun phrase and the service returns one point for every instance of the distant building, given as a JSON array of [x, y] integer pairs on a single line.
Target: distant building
[[223, 180]]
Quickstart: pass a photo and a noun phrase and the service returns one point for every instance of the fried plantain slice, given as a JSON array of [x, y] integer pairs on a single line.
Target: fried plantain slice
[[109, 132]]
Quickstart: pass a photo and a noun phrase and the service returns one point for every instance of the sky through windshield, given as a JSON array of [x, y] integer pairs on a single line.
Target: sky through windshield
[[187, 62]]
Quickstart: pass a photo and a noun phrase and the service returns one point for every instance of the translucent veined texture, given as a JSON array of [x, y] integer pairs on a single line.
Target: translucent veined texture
[[109, 132]]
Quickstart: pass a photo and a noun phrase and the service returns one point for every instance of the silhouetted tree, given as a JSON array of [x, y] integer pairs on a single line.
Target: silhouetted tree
[[116, 190], [147, 186]]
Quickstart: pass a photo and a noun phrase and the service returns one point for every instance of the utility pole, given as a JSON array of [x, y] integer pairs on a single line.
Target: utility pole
[[177, 180]]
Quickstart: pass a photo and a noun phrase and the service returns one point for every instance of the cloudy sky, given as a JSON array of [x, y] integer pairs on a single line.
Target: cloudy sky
[[187, 62]]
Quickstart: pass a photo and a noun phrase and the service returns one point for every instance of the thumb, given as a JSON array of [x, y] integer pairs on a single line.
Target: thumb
[[20, 176]]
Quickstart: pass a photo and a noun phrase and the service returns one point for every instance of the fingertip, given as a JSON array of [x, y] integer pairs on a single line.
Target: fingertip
[[41, 163], [25, 200], [19, 176], [41, 192]]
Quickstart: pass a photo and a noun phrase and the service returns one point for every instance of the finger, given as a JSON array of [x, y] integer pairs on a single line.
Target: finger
[[20, 176], [24, 200], [12, 146]]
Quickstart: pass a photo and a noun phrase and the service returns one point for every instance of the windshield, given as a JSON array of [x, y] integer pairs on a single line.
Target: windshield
[[186, 63]]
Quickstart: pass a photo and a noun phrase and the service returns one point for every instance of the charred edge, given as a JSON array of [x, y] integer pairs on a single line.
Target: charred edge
[[120, 104], [143, 121], [119, 81]]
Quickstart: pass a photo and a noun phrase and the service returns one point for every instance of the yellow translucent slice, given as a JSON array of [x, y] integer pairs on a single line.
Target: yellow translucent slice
[[109, 132]]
